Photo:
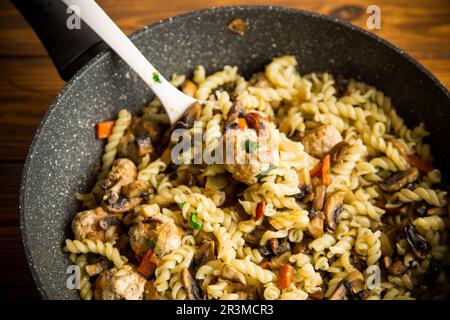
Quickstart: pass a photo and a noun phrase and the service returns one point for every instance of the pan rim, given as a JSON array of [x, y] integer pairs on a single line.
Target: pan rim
[[135, 36]]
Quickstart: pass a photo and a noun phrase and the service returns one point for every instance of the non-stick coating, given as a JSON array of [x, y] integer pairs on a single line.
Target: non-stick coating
[[64, 150]]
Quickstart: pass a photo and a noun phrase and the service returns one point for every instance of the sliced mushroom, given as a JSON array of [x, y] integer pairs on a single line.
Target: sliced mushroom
[[238, 26], [319, 197], [315, 226], [397, 268], [300, 247], [143, 145], [135, 189], [150, 291], [278, 246], [98, 267], [332, 209], [190, 284], [400, 180], [109, 221], [189, 87], [183, 178], [276, 262], [233, 113], [418, 243], [318, 295], [231, 273], [204, 254], [387, 249], [338, 152], [350, 288], [122, 204], [304, 184]]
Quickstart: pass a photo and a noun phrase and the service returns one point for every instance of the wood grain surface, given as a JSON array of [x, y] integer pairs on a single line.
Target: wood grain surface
[[29, 82]]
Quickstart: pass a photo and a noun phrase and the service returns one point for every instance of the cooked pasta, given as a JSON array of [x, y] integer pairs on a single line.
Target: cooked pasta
[[325, 183]]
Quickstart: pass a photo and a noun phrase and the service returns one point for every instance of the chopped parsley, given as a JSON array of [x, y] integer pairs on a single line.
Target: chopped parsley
[[250, 146], [150, 243], [156, 77], [181, 204], [193, 221], [264, 173]]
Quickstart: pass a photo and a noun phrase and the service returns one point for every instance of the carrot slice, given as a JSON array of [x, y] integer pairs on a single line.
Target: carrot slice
[[316, 171], [419, 163], [326, 179], [104, 129], [242, 123], [259, 210], [147, 266], [284, 276]]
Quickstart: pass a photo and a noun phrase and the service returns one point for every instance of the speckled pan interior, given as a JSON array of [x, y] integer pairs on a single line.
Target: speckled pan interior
[[64, 150]]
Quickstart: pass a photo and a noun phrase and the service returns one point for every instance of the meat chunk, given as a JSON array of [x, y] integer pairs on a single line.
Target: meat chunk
[[321, 140], [252, 153], [123, 284], [124, 170], [165, 237], [89, 224]]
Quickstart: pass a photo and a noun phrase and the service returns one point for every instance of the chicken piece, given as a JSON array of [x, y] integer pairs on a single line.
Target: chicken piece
[[123, 284], [321, 140], [123, 170], [90, 224], [252, 154], [164, 236]]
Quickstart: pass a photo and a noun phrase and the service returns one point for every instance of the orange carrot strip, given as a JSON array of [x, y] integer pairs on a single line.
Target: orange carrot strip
[[326, 179], [259, 210], [419, 163], [104, 129], [242, 123], [284, 276], [147, 266]]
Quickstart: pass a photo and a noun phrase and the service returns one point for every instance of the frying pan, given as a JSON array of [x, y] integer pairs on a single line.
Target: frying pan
[[64, 149]]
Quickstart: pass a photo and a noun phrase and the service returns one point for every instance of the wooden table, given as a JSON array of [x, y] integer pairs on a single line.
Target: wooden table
[[28, 83]]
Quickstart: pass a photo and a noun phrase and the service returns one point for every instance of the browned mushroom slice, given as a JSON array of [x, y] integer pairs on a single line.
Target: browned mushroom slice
[[97, 268], [143, 145], [231, 273], [183, 178], [418, 243], [304, 184], [315, 226], [338, 152], [319, 197], [189, 87], [276, 262], [150, 291], [109, 221], [350, 288], [204, 254], [397, 268], [233, 113], [191, 286], [135, 189], [316, 295], [122, 204], [400, 180], [387, 248], [332, 209], [278, 246]]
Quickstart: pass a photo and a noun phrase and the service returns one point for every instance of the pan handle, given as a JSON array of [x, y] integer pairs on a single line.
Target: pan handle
[[70, 45]]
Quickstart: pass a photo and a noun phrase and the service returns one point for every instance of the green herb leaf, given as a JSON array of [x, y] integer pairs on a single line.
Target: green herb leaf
[[384, 174], [194, 222], [156, 77], [181, 204], [150, 243], [264, 173], [250, 146]]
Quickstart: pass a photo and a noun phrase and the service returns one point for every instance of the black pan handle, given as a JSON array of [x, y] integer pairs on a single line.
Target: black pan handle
[[69, 48]]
